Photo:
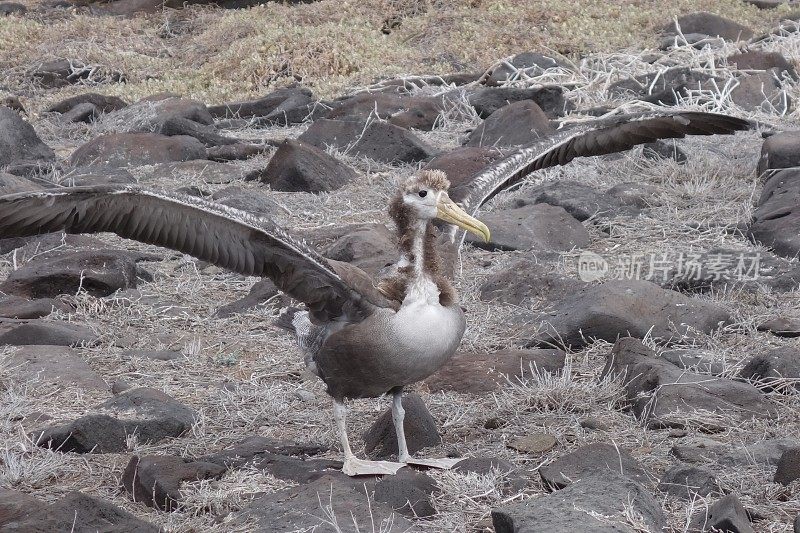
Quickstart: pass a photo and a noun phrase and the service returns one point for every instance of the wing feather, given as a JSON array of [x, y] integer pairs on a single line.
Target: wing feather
[[594, 138], [227, 237]]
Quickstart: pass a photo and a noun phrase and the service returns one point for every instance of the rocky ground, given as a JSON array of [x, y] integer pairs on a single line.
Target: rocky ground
[[631, 361]]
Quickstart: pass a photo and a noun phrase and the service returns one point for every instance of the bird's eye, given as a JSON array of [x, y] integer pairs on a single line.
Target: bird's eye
[[423, 193]]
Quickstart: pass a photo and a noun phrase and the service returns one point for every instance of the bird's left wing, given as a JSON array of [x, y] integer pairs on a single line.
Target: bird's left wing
[[221, 235], [593, 138]]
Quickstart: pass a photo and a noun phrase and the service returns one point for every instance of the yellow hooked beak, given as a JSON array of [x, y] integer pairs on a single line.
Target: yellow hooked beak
[[447, 210]]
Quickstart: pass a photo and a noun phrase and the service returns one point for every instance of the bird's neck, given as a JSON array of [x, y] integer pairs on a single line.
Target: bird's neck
[[418, 276], [418, 250]]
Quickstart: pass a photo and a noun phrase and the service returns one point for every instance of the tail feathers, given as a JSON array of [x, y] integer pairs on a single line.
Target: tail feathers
[[286, 319], [309, 336]]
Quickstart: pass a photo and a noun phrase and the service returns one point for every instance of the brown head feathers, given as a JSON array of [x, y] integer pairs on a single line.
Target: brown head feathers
[[427, 179]]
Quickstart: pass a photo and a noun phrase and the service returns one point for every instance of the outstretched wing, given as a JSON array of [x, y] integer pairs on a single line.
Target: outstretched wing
[[221, 235], [594, 138]]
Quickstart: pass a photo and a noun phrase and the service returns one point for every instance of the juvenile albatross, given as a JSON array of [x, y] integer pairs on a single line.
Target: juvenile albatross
[[362, 337]]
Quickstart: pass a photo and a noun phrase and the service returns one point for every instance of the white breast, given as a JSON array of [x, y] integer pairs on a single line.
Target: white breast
[[426, 332]]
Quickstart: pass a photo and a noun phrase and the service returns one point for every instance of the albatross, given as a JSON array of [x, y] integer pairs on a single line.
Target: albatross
[[363, 337]]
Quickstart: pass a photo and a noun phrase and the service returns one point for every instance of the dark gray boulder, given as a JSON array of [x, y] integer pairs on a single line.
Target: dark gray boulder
[[15, 506], [761, 60], [371, 247], [301, 167], [711, 25], [577, 507], [10, 184], [103, 103], [12, 8], [147, 114], [380, 440], [296, 109], [782, 326], [538, 226], [525, 281], [765, 452], [75, 512], [596, 459], [149, 414], [694, 360], [660, 87], [44, 332], [581, 201], [303, 508], [179, 126], [375, 139], [529, 64], [85, 112], [726, 514], [728, 268], [156, 480], [778, 369], [407, 492], [621, 308], [260, 107], [762, 91], [461, 165], [19, 143], [416, 112], [21, 308], [99, 273], [776, 221], [252, 449], [788, 469], [549, 98], [781, 150], [687, 482], [516, 124], [663, 395], [136, 149], [255, 202]]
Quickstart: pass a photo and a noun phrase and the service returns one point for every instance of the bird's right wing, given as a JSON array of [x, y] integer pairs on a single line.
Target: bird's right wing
[[221, 235]]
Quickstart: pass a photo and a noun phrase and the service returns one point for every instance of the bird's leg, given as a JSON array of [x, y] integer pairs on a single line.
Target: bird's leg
[[352, 465], [398, 415], [339, 414]]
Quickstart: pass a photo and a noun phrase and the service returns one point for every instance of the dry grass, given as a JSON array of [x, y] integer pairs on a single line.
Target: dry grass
[[329, 45]]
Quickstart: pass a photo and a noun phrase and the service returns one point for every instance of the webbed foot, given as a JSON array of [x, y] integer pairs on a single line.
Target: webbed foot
[[363, 467]]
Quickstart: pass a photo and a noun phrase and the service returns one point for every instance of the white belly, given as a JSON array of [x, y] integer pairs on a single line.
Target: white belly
[[427, 334], [391, 349]]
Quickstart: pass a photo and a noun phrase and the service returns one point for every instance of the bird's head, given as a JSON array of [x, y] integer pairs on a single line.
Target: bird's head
[[424, 197]]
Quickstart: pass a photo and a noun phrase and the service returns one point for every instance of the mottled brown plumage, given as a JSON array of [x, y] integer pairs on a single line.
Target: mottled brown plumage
[[395, 286]]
